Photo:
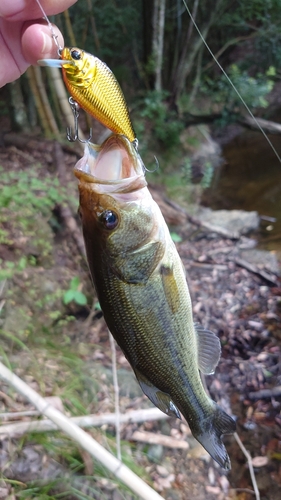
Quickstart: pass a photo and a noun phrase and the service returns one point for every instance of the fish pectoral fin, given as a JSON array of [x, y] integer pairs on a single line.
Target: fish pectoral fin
[[170, 287], [160, 399], [209, 349]]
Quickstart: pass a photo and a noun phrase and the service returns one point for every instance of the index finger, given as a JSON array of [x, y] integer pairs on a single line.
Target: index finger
[[23, 10]]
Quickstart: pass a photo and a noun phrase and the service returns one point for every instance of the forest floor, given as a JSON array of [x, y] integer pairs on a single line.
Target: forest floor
[[63, 351]]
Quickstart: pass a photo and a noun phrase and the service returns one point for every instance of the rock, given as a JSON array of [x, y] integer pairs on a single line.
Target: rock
[[4, 493], [262, 259], [155, 453], [162, 471], [237, 222]]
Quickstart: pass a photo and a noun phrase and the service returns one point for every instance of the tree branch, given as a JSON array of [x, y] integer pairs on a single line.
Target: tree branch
[[17, 429]]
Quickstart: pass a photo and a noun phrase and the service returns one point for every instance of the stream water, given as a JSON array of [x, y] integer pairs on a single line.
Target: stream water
[[250, 179]]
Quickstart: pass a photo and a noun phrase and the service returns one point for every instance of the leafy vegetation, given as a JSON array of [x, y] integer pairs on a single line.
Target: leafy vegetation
[[164, 123], [26, 216], [74, 293], [252, 90]]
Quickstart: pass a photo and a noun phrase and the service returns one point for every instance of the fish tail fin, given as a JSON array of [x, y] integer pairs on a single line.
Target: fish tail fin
[[214, 427]]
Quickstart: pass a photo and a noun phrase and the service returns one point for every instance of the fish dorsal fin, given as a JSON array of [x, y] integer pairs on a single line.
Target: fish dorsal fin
[[209, 350], [160, 399]]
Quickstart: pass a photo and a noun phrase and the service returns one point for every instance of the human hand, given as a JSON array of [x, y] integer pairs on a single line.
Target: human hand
[[24, 35]]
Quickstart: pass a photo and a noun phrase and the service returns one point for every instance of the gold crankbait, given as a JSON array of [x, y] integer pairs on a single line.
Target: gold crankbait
[[94, 87]]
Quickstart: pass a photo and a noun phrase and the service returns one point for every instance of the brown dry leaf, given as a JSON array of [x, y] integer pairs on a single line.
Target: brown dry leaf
[[163, 483], [198, 452], [213, 489], [88, 462], [162, 470], [56, 402]]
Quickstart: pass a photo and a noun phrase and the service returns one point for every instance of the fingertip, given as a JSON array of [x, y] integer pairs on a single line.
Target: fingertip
[[38, 42]]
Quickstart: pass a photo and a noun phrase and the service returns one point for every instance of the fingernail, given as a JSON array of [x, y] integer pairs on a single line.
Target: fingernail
[[47, 43]]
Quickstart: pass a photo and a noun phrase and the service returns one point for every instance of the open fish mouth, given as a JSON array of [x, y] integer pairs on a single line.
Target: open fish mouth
[[113, 167]]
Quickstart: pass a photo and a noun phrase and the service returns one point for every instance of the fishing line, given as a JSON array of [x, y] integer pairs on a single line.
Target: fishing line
[[230, 82], [55, 37]]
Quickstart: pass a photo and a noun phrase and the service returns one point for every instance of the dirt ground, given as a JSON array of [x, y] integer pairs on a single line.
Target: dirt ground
[[239, 302]]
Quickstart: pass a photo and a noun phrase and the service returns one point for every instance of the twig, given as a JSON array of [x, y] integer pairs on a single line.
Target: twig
[[251, 468], [84, 440], [204, 265], [152, 438], [116, 396], [268, 126], [17, 414], [16, 429], [243, 490], [266, 393]]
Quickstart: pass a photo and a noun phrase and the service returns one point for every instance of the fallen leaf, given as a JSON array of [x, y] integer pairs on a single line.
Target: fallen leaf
[[259, 461], [213, 489]]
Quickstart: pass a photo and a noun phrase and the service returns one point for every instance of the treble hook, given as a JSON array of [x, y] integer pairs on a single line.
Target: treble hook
[[75, 110]]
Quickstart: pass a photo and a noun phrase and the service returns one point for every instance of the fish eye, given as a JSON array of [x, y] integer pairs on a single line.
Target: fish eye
[[75, 54], [109, 219]]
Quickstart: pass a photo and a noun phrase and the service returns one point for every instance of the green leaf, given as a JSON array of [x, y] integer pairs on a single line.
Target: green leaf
[[176, 237], [22, 263], [80, 298], [271, 71], [75, 282], [68, 296]]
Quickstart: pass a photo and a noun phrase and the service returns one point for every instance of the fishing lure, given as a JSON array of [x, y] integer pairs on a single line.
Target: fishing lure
[[94, 87]]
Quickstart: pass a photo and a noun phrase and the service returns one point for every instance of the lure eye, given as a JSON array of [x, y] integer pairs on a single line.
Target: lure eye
[[75, 54], [109, 219]]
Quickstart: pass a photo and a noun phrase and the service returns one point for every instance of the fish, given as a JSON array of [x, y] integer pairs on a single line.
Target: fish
[[142, 290], [94, 87]]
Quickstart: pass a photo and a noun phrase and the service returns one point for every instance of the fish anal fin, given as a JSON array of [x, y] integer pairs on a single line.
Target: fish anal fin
[[160, 399], [209, 350], [170, 287]]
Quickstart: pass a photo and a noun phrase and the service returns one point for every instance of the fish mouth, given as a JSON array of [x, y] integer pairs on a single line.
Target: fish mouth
[[114, 166]]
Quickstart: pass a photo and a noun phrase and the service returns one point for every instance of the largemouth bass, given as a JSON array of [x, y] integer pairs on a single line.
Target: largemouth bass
[[142, 289]]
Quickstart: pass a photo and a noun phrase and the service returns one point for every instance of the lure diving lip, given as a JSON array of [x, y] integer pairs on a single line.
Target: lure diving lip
[[94, 87], [53, 63]]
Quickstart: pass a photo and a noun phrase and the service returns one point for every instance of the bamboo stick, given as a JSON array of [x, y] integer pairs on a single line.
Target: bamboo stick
[[38, 103], [83, 439], [69, 29], [45, 101]]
